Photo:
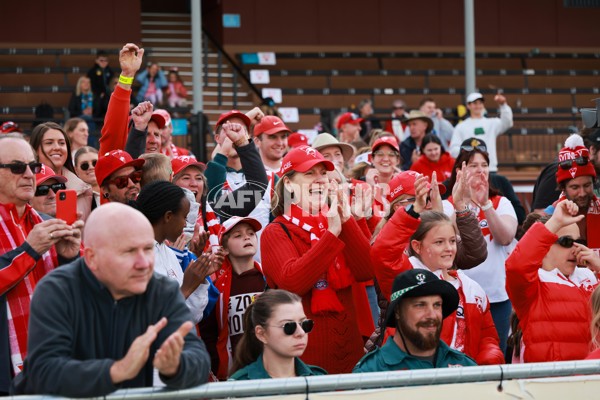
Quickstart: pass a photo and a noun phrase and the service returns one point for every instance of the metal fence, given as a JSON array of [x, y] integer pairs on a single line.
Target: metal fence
[[331, 383]]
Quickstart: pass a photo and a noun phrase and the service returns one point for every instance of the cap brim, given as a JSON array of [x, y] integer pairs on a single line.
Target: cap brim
[[58, 178], [444, 289], [308, 164], [198, 164], [137, 163], [254, 223], [274, 130], [159, 120]]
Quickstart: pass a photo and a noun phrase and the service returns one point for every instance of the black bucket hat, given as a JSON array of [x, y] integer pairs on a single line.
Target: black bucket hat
[[418, 283]]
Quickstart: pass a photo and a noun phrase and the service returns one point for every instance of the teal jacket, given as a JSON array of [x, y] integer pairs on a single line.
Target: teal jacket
[[391, 358], [256, 370]]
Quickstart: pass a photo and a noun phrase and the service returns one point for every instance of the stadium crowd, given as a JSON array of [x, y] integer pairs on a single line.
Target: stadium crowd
[[395, 248]]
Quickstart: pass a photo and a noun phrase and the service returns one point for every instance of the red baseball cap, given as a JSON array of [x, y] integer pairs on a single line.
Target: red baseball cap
[[179, 163], [113, 161], [269, 125], [404, 183], [9, 126], [159, 119], [47, 173], [297, 139], [165, 114], [388, 140], [348, 118], [233, 221], [303, 158], [233, 114]]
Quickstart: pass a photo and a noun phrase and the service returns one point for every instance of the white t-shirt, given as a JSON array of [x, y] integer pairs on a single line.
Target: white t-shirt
[[486, 129], [491, 274]]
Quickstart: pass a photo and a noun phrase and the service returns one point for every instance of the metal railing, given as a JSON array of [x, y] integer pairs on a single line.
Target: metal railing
[[330, 383]]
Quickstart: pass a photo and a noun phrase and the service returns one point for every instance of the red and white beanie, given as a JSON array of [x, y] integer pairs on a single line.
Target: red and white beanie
[[574, 160]]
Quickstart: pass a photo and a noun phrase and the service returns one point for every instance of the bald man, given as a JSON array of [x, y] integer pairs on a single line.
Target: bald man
[[105, 321]]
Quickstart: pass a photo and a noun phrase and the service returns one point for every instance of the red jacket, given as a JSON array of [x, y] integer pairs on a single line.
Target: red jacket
[[114, 131], [442, 168], [480, 340], [553, 310], [335, 343]]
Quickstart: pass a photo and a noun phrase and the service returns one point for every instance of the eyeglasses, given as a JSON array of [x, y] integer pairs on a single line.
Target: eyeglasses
[[567, 164], [86, 165], [20, 168], [567, 241], [479, 147], [122, 181], [43, 190], [289, 328], [389, 154]]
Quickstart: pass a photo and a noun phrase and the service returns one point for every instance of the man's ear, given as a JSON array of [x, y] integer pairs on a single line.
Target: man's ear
[[90, 258]]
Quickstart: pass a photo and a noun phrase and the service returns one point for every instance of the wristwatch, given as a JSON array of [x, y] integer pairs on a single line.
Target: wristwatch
[[410, 211]]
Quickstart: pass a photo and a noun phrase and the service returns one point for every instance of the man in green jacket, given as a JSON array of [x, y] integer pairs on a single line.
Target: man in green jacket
[[419, 303]]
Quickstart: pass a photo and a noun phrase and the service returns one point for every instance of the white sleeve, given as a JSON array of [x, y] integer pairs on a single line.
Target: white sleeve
[[448, 208], [457, 139], [198, 301], [505, 122], [505, 207]]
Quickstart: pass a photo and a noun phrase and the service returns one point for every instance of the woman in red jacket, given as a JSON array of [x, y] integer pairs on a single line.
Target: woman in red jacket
[[433, 159], [433, 245], [317, 255], [549, 293]]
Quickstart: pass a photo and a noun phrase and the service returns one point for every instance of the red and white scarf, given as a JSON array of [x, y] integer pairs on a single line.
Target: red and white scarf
[[338, 275], [13, 232]]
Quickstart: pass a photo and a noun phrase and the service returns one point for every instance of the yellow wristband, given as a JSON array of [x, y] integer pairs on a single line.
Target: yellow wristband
[[125, 80]]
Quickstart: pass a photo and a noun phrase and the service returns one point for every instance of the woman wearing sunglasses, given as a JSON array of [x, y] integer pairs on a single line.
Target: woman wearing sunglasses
[[53, 148], [498, 223], [549, 292], [85, 166], [275, 337]]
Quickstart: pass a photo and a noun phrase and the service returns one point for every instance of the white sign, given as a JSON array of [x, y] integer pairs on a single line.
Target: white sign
[[266, 58], [289, 114], [259, 76], [273, 93]]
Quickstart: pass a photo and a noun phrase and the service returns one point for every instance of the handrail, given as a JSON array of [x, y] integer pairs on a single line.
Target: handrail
[[234, 64], [330, 383]]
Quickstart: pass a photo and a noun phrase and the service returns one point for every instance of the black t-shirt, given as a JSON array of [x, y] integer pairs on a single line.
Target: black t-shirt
[[545, 191]]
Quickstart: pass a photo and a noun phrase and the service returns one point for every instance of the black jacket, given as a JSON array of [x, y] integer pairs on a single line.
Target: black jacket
[[77, 331]]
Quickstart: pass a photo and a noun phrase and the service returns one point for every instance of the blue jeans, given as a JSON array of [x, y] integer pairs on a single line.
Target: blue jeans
[[501, 316], [372, 295]]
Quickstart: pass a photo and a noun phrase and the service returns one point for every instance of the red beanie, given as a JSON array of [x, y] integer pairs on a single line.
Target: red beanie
[[574, 160]]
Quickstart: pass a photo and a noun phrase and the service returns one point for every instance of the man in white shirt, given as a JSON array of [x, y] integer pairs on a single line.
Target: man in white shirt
[[481, 127]]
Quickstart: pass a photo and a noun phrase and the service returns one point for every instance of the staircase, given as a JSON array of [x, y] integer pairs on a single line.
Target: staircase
[[167, 39]]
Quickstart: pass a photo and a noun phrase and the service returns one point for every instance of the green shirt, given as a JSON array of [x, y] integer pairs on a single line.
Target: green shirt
[[391, 358], [256, 370]]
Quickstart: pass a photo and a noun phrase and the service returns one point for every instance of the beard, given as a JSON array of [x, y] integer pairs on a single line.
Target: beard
[[583, 202], [423, 342]]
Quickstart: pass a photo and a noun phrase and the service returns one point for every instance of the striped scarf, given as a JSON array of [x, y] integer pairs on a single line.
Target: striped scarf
[[13, 233], [338, 276]]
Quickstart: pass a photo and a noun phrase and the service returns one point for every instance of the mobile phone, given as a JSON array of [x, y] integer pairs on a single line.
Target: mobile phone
[[66, 205]]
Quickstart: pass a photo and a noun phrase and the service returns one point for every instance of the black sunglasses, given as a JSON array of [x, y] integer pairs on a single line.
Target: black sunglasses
[[567, 241], [122, 181], [43, 190], [479, 147], [289, 328], [86, 165], [567, 164], [20, 168]]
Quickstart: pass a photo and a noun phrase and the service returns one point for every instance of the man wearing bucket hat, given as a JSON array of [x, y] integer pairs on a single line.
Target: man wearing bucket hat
[[419, 303], [333, 150], [481, 127], [419, 125]]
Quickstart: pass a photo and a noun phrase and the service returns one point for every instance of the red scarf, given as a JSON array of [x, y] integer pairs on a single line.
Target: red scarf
[[222, 281], [214, 227], [338, 275], [13, 232]]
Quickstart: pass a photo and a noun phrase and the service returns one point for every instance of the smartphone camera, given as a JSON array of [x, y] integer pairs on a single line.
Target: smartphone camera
[[62, 196]]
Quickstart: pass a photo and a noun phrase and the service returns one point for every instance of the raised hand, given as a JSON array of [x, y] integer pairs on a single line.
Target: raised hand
[[461, 192], [421, 193], [435, 195], [168, 356], [587, 257], [130, 366], [255, 115], [141, 115], [564, 214], [130, 59], [480, 188], [236, 133]]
